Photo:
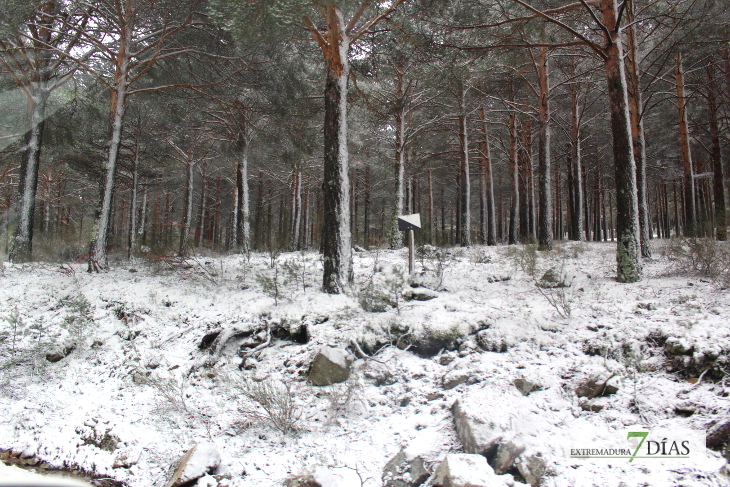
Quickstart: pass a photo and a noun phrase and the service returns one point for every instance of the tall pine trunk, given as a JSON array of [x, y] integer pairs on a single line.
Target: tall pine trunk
[[464, 180], [637, 128], [491, 229], [628, 249], [544, 230], [21, 246], [716, 157], [396, 237], [336, 239], [576, 172], [243, 209], [514, 217], [187, 210], [690, 212]]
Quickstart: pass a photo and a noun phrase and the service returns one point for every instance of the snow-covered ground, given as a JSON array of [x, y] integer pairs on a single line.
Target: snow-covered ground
[[134, 390]]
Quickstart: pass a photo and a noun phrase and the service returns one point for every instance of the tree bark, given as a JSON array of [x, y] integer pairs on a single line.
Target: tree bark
[[628, 250], [690, 211], [187, 210], [243, 208], [716, 156], [21, 246], [514, 223], [338, 272], [132, 240], [396, 237], [545, 230], [464, 180], [491, 229], [637, 128]]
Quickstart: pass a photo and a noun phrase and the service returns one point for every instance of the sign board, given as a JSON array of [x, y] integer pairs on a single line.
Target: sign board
[[409, 222]]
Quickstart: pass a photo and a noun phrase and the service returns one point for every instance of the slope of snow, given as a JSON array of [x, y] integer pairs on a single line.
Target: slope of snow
[[136, 391]]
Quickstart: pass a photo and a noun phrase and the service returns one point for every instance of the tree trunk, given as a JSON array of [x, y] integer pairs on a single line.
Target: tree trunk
[[187, 210], [524, 159], [142, 231], [491, 229], [545, 230], [21, 246], [716, 156], [431, 216], [367, 207], [396, 237], [243, 209], [628, 249], [690, 212], [514, 223], [338, 273], [464, 180], [132, 241], [297, 213], [637, 128]]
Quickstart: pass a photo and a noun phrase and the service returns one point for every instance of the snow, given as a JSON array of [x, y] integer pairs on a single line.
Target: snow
[[137, 391]]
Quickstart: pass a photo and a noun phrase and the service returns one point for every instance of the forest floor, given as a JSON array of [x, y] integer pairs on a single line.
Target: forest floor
[[130, 389]]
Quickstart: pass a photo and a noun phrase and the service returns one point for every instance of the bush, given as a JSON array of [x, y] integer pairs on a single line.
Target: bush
[[268, 403], [524, 257], [703, 257]]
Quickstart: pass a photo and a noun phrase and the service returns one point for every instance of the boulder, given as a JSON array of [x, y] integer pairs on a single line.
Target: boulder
[[532, 467], [598, 385], [507, 453], [499, 423], [419, 294], [60, 353], [200, 460], [330, 366], [465, 470], [455, 378], [402, 472], [554, 278], [526, 386]]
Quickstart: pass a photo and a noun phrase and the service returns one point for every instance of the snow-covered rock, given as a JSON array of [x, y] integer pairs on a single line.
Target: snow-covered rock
[[330, 366], [201, 459], [465, 470]]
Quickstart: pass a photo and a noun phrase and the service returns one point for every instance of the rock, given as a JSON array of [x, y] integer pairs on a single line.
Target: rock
[[507, 453], [647, 306], [455, 378], [424, 280], [358, 249], [486, 423], [465, 470], [554, 278], [493, 341], [719, 435], [402, 472], [446, 358], [432, 396], [201, 459], [526, 386], [592, 405], [60, 354], [419, 294], [330, 366], [532, 467], [678, 346], [430, 341], [598, 385], [501, 278]]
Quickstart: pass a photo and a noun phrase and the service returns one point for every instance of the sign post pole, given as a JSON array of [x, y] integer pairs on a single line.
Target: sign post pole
[[411, 251], [408, 223]]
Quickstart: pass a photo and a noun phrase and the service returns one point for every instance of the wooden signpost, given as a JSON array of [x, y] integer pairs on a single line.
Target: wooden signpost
[[408, 223]]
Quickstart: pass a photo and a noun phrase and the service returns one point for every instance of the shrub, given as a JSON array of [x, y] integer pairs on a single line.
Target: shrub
[[704, 257], [269, 402]]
